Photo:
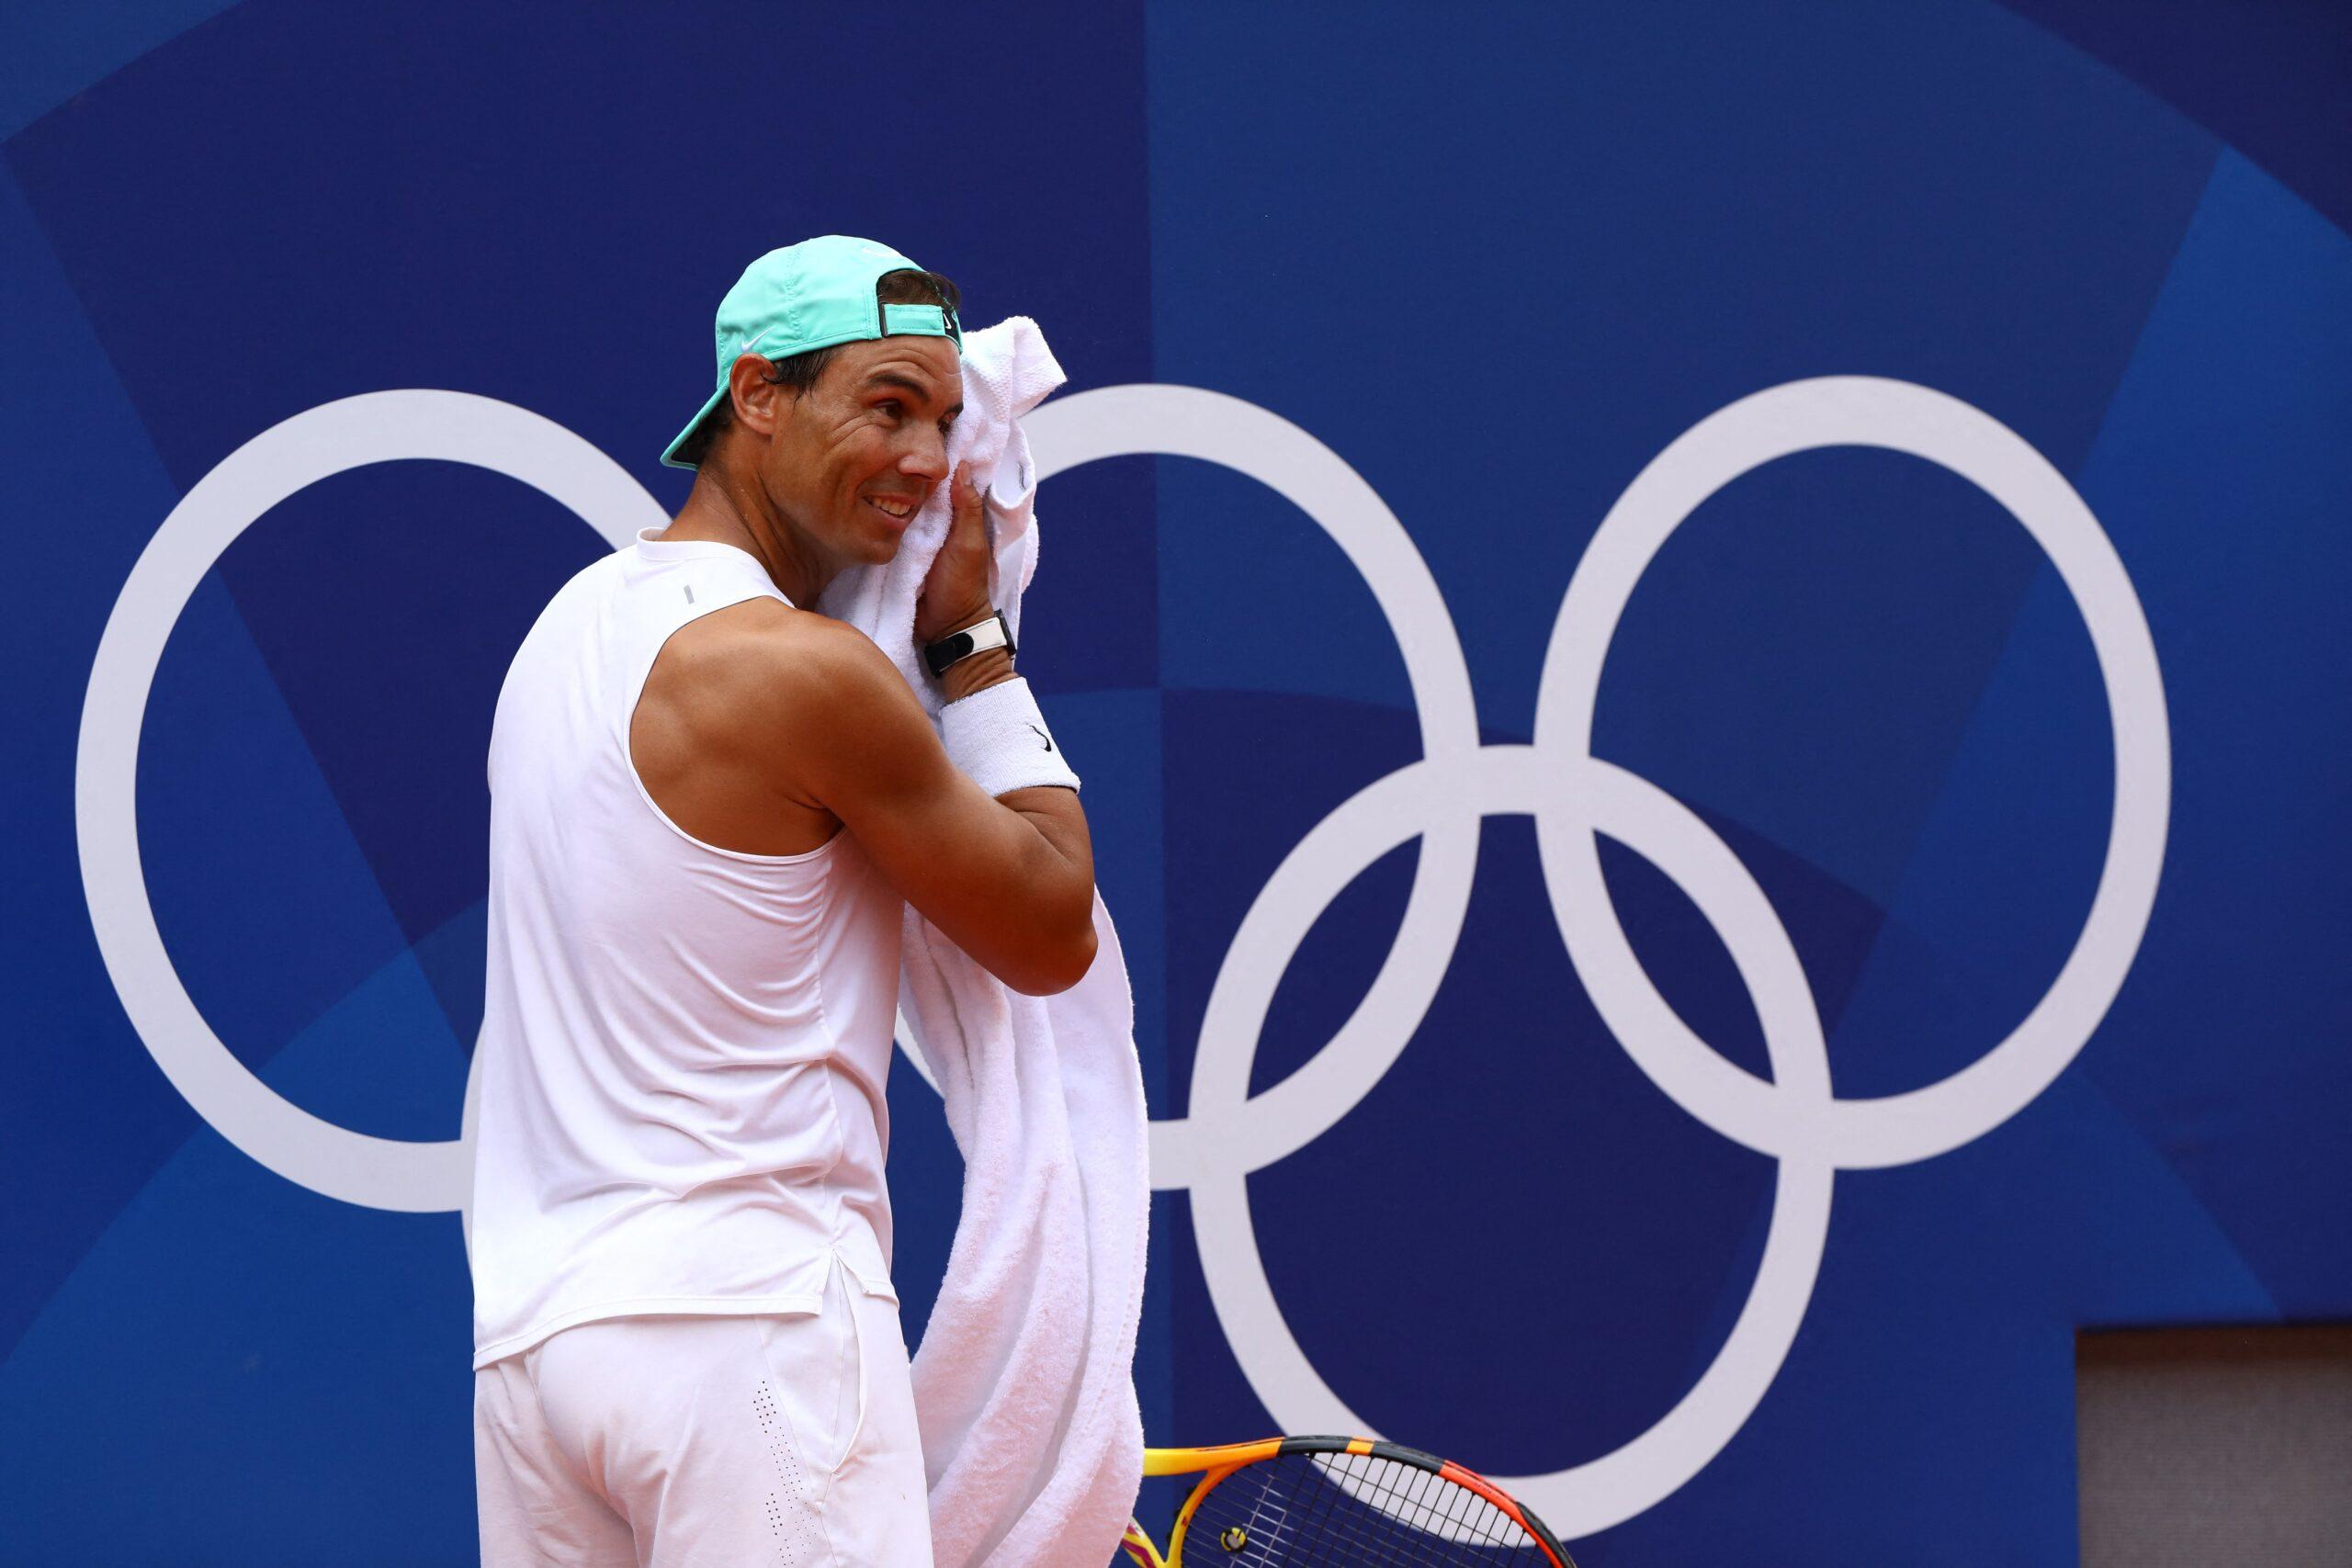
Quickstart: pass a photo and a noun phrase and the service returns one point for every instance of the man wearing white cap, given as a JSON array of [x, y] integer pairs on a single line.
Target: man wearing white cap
[[710, 805]]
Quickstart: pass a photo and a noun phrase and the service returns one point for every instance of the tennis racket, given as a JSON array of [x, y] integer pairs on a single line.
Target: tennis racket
[[1307, 1502]]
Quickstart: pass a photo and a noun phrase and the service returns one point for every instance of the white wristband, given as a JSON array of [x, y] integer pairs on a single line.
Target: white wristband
[[998, 736]]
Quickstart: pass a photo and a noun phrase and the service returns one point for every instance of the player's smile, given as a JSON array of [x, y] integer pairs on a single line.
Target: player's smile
[[897, 511]]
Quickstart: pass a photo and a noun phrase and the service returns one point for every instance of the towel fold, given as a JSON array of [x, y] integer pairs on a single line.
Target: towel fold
[[1024, 1383]]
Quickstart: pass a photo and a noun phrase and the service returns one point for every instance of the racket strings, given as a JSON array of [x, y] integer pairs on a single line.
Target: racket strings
[[1367, 1509]]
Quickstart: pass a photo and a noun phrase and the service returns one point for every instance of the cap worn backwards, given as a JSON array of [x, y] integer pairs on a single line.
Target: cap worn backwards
[[813, 295]]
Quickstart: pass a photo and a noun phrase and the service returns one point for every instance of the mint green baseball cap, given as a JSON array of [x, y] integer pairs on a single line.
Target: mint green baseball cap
[[810, 296]]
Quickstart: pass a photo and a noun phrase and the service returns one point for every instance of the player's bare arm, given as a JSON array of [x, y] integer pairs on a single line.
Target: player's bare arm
[[1011, 881], [765, 729]]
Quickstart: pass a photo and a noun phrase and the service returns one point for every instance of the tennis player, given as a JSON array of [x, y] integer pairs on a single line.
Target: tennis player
[[709, 807]]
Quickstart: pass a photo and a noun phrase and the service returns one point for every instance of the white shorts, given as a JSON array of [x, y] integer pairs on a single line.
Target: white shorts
[[691, 1442]]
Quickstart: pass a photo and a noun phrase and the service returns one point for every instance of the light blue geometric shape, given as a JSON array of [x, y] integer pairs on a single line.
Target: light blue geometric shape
[[47, 53]]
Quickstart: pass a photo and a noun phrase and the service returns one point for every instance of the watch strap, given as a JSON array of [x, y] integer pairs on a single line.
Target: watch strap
[[956, 646]]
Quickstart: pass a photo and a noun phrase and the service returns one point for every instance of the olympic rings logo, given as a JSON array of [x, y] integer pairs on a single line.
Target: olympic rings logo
[[1574, 796]]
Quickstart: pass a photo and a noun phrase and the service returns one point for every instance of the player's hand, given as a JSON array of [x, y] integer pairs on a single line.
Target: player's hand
[[956, 591]]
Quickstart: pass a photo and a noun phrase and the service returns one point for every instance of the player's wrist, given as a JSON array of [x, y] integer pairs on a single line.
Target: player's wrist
[[997, 736], [976, 672]]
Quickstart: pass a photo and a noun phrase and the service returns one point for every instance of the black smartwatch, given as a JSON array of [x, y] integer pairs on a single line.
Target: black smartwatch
[[956, 646]]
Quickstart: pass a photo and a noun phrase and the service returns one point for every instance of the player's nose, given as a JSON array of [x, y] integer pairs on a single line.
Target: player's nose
[[925, 457]]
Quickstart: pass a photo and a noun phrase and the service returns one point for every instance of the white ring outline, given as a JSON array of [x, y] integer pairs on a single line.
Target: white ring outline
[[397, 1174], [1801, 416], [1605, 1491]]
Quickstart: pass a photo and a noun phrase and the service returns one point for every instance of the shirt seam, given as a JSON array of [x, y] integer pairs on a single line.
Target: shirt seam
[[636, 695]]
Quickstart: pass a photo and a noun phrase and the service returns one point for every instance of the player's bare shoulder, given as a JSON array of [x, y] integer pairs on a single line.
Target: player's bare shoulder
[[749, 717], [762, 670], [762, 680]]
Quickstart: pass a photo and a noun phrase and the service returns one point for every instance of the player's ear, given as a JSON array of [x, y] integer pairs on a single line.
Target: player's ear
[[759, 402]]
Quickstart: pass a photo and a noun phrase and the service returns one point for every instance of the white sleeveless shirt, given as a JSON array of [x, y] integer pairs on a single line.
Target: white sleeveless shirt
[[683, 1047]]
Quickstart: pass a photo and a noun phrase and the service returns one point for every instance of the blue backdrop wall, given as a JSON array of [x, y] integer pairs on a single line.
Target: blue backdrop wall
[[1965, 388]]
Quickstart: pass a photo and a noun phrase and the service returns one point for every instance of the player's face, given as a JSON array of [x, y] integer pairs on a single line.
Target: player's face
[[856, 456]]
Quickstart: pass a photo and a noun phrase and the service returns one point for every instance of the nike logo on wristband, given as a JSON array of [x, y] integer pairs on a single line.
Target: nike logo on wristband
[[1044, 737]]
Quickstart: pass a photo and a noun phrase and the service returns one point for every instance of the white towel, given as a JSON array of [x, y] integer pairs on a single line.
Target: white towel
[[1024, 1383]]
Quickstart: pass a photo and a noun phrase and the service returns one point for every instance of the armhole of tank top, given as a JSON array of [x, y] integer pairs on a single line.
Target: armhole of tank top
[[637, 782]]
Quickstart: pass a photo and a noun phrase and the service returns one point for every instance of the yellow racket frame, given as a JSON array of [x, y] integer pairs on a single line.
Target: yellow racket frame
[[1216, 1464], [1213, 1464]]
